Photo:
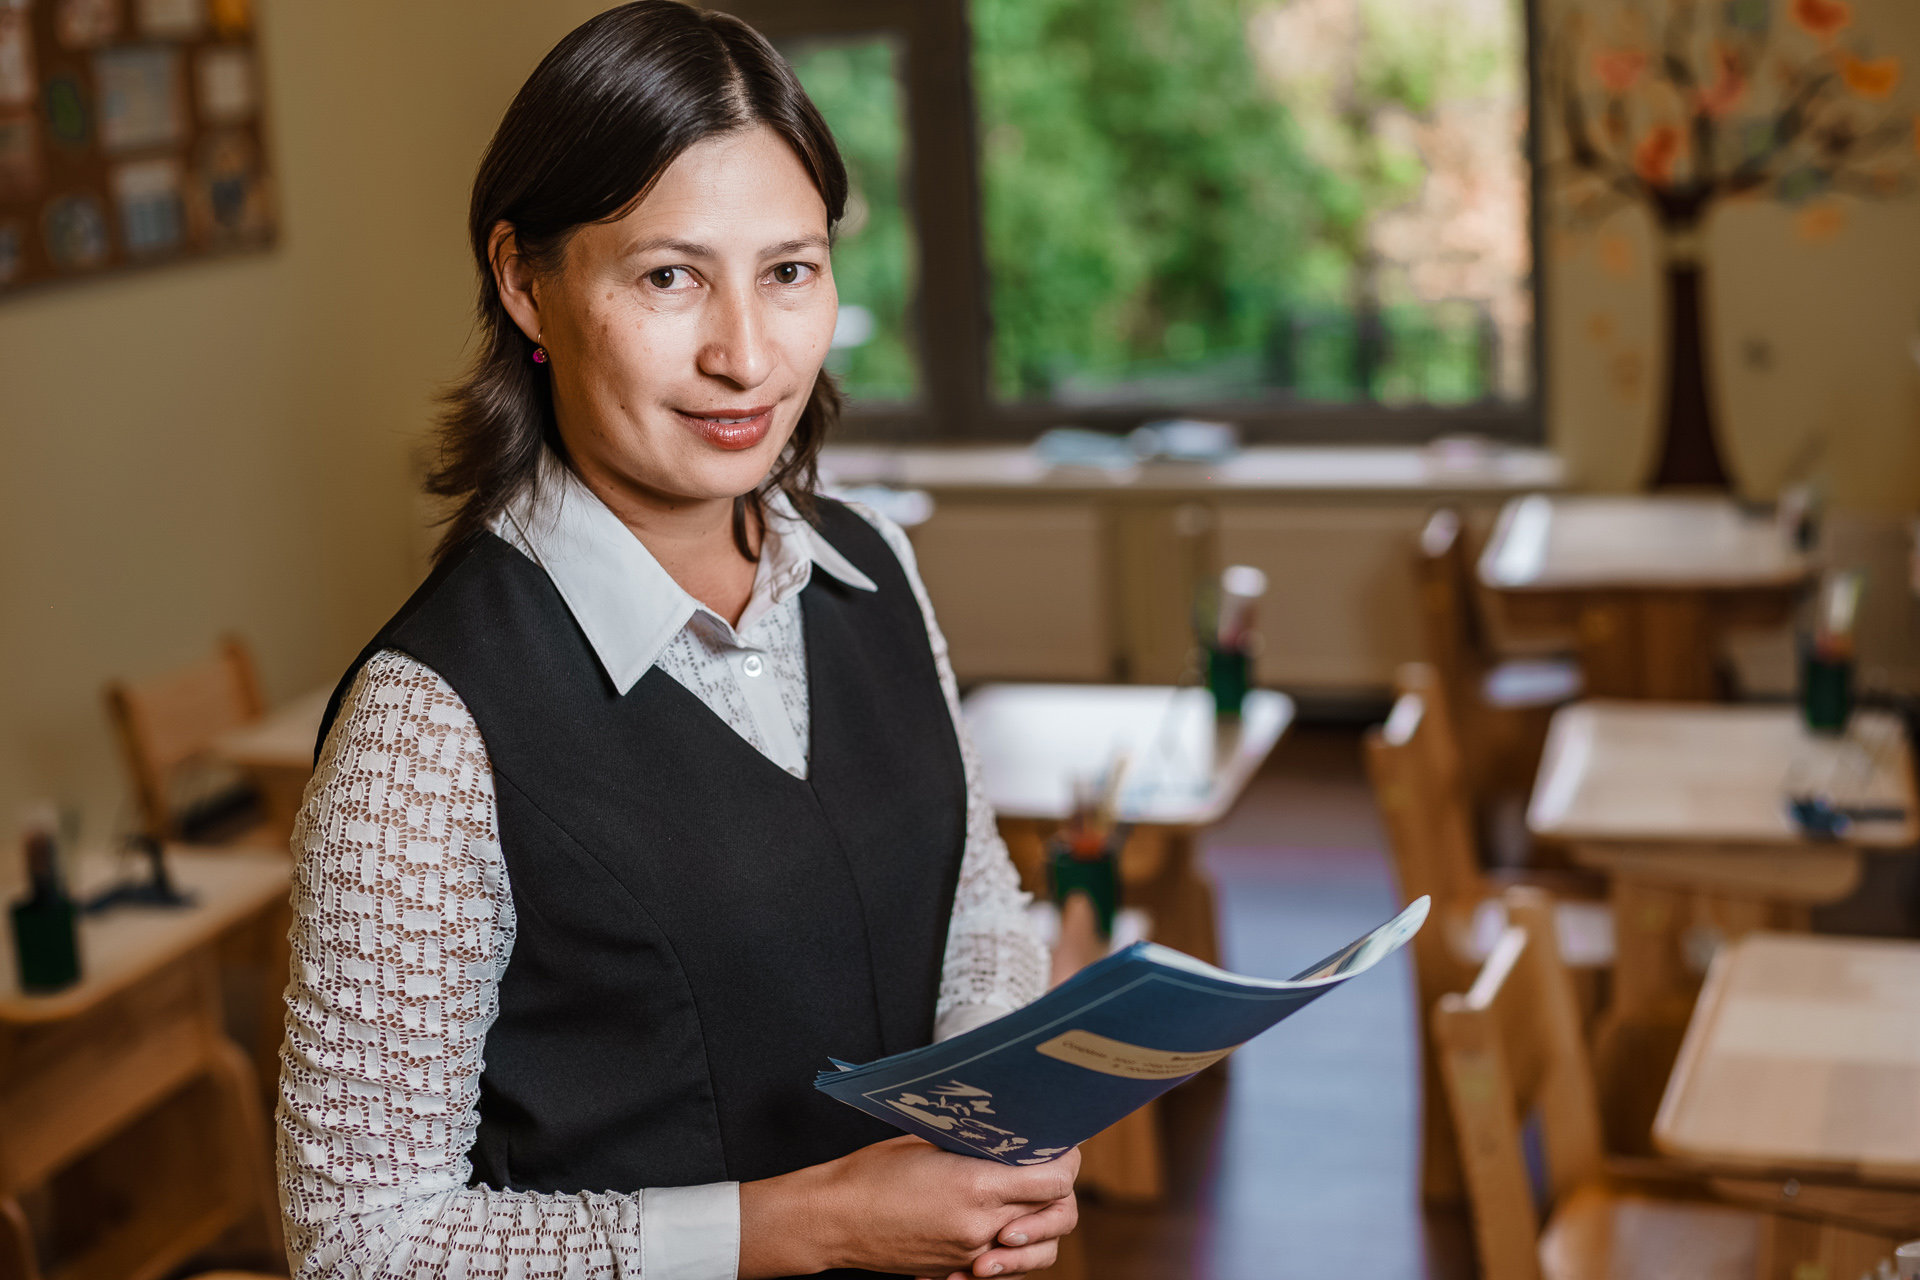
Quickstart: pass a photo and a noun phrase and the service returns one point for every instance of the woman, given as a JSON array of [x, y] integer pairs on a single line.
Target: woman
[[653, 796]]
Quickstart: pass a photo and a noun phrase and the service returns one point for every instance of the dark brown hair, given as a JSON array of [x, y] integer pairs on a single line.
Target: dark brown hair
[[591, 131]]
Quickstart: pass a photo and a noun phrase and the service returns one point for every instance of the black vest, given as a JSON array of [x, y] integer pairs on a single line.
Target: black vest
[[698, 929]]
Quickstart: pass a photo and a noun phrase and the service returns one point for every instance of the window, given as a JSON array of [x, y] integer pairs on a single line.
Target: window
[[1312, 217], [856, 85]]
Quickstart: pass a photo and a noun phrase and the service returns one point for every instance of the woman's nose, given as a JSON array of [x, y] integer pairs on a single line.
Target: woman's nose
[[736, 346]]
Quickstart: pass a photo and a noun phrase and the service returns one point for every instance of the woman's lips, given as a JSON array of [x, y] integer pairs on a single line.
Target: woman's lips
[[733, 429]]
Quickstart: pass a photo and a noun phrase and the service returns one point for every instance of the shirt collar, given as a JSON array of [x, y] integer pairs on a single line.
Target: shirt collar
[[627, 605]]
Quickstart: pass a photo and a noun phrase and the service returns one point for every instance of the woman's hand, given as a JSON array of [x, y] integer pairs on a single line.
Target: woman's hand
[[906, 1206]]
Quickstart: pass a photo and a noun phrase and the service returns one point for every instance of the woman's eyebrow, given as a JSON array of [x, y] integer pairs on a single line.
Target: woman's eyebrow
[[794, 246], [684, 248], [689, 249]]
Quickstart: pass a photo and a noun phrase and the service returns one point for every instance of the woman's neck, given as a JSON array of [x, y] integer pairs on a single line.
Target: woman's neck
[[691, 538]]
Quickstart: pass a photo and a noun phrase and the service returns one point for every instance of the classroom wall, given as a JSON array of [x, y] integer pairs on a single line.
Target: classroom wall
[[1812, 316], [226, 444]]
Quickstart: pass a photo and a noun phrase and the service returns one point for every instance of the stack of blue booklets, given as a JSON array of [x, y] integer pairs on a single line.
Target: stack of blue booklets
[[1029, 1087]]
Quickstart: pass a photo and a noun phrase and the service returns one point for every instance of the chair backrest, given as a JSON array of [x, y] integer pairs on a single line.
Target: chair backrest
[[1449, 620], [1511, 1050], [1414, 762], [173, 720]]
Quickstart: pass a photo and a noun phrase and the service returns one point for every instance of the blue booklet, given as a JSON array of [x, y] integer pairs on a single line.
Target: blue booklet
[[1029, 1087]]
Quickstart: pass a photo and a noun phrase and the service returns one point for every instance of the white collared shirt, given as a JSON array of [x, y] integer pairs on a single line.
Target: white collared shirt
[[404, 924], [752, 675]]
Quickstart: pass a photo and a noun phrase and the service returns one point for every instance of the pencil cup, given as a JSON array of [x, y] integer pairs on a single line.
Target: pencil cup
[[1826, 690], [1097, 875], [1229, 671]]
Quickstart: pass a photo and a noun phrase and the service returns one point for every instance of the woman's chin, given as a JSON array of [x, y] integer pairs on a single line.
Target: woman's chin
[[730, 474]]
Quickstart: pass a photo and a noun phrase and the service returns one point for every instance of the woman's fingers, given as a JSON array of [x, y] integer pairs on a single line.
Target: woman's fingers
[[1050, 1223], [1039, 1184], [1008, 1263]]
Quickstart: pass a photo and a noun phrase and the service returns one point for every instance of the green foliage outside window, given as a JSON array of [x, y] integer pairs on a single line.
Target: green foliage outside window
[[1146, 204], [856, 87], [1202, 200]]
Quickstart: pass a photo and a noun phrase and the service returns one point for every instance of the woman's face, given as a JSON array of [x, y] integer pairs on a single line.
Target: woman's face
[[684, 338]]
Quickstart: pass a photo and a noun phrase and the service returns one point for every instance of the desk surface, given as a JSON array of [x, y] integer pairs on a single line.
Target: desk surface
[[1803, 1055], [1645, 772], [1257, 469], [1183, 770], [120, 946], [281, 739], [1561, 543]]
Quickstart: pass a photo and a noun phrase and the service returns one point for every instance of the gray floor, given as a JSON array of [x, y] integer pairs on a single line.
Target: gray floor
[[1300, 1164]]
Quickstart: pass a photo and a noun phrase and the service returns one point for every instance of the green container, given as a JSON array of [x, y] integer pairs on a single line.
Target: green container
[[45, 943], [1098, 877], [1826, 691], [1229, 675]]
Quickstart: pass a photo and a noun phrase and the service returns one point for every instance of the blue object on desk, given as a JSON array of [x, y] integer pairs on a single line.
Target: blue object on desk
[[1821, 819], [1029, 1087]]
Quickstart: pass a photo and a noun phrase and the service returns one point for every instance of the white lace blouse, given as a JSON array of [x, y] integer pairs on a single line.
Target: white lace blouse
[[404, 925]]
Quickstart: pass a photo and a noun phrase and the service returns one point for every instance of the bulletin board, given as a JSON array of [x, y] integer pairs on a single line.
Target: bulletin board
[[130, 135]]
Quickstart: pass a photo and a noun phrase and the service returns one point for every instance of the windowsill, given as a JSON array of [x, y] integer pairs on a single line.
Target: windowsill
[[1258, 469]]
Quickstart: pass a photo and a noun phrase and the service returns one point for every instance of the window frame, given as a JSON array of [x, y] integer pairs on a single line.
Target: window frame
[[953, 294]]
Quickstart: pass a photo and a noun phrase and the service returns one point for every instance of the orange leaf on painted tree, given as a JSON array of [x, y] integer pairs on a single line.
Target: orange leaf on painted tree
[[1876, 79], [1823, 18], [1729, 84], [1617, 69], [1654, 158]]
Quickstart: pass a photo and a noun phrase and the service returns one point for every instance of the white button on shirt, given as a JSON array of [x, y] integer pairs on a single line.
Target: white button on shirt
[[386, 1025]]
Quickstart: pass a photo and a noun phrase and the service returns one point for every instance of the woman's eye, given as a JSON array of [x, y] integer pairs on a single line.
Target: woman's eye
[[792, 272], [665, 277]]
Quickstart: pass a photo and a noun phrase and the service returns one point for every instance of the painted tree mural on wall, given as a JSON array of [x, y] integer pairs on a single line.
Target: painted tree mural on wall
[[1680, 106]]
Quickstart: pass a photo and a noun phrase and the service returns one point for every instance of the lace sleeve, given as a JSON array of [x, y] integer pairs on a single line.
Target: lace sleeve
[[403, 924], [994, 962]]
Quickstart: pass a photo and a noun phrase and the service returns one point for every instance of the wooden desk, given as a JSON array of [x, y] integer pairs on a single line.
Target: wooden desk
[[1798, 1090], [1647, 585], [1185, 772], [1684, 808], [123, 1094], [277, 754]]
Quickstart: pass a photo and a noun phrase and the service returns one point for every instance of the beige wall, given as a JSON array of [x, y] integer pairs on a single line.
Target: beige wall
[[1838, 317], [224, 445]]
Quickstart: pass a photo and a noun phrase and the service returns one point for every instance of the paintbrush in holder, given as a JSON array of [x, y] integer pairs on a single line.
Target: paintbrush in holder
[[1084, 856]]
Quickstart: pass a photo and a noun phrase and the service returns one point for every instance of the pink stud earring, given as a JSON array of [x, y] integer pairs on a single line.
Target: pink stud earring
[[539, 355]]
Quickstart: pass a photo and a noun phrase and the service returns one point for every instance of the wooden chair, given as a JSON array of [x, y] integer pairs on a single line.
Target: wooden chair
[[1414, 762], [1502, 705], [1512, 1051], [167, 727]]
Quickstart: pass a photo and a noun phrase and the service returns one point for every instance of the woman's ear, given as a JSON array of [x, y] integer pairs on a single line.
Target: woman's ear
[[513, 276]]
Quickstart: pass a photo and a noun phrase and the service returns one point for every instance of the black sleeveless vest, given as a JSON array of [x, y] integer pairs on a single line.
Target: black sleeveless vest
[[697, 928]]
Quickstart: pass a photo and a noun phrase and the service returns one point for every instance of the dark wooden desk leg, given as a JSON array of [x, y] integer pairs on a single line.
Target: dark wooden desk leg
[[17, 1261], [1639, 1035], [1794, 1248], [1179, 901], [1026, 843], [1677, 647], [1607, 635]]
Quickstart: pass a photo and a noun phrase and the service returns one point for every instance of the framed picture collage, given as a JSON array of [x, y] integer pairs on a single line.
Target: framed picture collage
[[130, 134]]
